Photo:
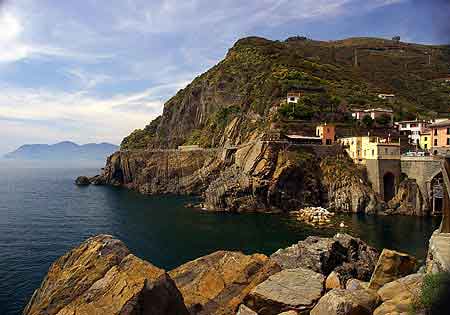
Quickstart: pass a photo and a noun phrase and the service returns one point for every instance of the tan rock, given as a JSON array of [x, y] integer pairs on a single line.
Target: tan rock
[[217, 283], [345, 302], [289, 313], [291, 289], [391, 266], [333, 281], [244, 310], [101, 277], [399, 295]]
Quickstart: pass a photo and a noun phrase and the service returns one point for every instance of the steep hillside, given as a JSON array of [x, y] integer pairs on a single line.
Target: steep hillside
[[238, 98]]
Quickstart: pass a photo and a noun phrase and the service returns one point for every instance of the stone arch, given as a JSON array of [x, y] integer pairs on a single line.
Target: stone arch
[[389, 186], [437, 193]]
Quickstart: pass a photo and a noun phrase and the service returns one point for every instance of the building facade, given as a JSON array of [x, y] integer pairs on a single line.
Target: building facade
[[327, 133], [294, 97], [413, 128], [425, 140], [440, 137], [381, 158], [374, 113]]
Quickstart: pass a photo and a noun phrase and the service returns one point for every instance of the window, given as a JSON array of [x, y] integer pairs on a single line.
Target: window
[[448, 141], [386, 150], [403, 125], [435, 142], [425, 138], [413, 126], [425, 146], [373, 152], [435, 132], [448, 131], [292, 99]]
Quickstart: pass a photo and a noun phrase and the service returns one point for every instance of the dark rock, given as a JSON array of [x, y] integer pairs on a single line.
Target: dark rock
[[217, 284], [346, 255], [101, 277], [82, 181]]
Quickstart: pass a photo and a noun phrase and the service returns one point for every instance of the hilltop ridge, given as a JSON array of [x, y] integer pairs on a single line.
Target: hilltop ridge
[[237, 99]]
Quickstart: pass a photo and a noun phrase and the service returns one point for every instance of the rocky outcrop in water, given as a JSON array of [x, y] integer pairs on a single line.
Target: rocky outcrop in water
[[408, 200], [259, 176], [102, 277]]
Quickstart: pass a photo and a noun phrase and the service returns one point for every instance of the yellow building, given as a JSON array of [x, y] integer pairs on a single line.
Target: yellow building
[[425, 141], [365, 148]]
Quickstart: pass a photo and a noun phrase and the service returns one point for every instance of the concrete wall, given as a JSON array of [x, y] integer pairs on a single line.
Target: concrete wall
[[376, 169], [423, 170]]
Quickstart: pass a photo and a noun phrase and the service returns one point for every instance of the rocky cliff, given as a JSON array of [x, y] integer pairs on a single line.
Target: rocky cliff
[[258, 176], [241, 101]]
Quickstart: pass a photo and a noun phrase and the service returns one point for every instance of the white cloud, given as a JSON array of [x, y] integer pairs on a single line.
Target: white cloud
[[78, 116]]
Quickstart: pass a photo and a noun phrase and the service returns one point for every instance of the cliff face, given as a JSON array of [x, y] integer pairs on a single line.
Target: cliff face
[[348, 189], [259, 176]]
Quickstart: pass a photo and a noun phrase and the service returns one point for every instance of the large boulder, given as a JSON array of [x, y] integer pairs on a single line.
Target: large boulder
[[101, 277], [348, 256], [398, 296], [291, 289], [217, 283], [391, 266], [345, 302], [316, 253]]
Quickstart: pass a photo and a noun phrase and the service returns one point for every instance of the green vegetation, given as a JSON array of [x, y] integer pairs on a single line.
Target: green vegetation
[[257, 73], [434, 294], [140, 138]]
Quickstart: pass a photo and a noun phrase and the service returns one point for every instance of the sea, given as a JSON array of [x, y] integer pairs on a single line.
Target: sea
[[43, 215]]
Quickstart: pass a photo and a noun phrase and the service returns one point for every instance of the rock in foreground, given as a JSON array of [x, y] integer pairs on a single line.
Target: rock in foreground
[[217, 283], [290, 289], [102, 277], [345, 302], [348, 256], [391, 266]]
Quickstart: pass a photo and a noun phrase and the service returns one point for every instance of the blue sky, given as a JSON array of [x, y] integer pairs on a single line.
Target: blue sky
[[92, 71]]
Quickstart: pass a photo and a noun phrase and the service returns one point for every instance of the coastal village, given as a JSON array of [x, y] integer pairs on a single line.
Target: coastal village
[[389, 152]]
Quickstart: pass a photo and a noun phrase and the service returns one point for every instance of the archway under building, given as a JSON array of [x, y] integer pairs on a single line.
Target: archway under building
[[437, 194], [388, 186]]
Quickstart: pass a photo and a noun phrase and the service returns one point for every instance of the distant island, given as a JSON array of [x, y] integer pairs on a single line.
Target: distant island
[[66, 150]]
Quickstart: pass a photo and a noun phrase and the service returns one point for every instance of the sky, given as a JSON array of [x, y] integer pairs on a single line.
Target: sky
[[93, 71]]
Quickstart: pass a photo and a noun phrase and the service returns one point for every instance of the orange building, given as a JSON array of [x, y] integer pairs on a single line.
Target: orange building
[[327, 133], [440, 136]]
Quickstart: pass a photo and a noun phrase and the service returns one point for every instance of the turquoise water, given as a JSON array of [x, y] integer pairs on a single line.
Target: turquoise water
[[43, 214]]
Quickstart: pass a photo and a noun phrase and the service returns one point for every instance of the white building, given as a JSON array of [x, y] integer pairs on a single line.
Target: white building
[[374, 113], [386, 96], [413, 128], [293, 97]]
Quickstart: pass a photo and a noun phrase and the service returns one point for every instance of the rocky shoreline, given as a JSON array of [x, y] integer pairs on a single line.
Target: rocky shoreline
[[318, 276]]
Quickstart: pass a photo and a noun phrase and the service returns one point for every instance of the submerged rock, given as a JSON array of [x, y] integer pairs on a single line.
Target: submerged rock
[[390, 266], [345, 302], [291, 289], [217, 283], [101, 277]]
